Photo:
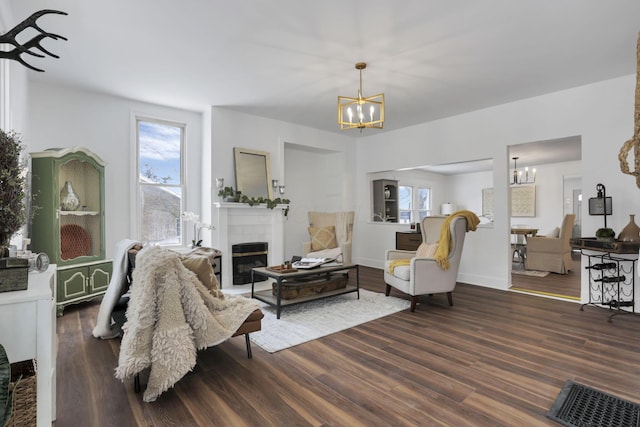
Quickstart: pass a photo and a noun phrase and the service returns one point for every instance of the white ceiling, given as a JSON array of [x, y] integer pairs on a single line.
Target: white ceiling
[[290, 59], [531, 154]]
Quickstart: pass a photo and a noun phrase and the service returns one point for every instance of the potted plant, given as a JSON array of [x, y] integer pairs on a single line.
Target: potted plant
[[605, 235], [12, 189]]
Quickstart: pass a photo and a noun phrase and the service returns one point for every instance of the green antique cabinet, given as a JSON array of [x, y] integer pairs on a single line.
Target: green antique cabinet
[[68, 221]]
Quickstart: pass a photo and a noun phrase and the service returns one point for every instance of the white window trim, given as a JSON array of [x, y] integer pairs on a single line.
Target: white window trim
[[412, 210], [415, 212], [136, 225]]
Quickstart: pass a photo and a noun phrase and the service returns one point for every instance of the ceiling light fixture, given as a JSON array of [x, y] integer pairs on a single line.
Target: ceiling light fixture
[[519, 177], [361, 112]]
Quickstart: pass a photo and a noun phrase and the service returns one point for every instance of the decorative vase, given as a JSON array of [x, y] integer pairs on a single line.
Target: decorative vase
[[631, 232], [68, 199], [387, 192]]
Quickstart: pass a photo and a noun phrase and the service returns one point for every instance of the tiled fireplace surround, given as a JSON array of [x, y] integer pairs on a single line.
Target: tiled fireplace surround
[[241, 223]]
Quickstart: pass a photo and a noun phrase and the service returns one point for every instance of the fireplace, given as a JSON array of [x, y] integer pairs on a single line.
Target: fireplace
[[245, 257], [238, 223]]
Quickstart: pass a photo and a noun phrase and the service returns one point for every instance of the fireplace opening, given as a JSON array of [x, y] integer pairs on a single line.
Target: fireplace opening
[[245, 257]]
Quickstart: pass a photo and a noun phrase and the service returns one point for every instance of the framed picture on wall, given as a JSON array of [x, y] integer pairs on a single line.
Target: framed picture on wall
[[523, 200], [487, 202]]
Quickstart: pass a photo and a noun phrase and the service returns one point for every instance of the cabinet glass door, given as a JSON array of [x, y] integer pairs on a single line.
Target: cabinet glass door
[[80, 210]]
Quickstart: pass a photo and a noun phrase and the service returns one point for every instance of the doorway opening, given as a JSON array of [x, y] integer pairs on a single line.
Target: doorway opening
[[537, 209]]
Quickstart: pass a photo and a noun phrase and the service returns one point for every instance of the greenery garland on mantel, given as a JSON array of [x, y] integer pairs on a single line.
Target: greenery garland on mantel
[[228, 194]]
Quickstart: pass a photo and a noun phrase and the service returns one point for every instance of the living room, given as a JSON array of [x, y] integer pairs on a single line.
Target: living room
[[322, 169]]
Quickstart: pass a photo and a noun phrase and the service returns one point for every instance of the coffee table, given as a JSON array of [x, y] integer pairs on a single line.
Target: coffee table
[[324, 270]]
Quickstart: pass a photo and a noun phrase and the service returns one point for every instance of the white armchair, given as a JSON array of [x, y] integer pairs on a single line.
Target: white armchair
[[424, 275], [322, 223]]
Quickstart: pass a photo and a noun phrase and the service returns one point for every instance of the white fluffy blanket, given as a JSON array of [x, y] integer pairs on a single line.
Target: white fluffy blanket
[[170, 316]]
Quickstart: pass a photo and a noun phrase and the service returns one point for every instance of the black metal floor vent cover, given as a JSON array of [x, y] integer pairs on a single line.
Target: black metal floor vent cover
[[578, 405]]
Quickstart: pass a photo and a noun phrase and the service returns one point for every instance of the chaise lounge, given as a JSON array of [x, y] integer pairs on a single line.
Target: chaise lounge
[[175, 309]]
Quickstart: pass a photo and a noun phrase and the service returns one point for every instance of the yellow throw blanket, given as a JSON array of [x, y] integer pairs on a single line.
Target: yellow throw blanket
[[442, 254], [397, 263]]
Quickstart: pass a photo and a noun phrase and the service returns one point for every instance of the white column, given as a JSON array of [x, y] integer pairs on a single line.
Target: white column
[[223, 243], [276, 252]]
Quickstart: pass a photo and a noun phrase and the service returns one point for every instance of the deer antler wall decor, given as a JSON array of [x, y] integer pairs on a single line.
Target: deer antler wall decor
[[634, 142], [30, 45]]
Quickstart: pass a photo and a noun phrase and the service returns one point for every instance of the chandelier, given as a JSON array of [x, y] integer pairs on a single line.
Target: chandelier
[[361, 112], [522, 177]]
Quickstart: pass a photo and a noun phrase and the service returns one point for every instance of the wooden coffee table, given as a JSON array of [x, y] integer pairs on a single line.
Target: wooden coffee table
[[322, 271]]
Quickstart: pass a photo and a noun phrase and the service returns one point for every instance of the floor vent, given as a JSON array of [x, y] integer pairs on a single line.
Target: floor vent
[[578, 405]]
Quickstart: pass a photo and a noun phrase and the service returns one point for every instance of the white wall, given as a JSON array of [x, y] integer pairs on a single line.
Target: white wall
[[601, 113], [102, 124], [13, 97], [13, 83], [549, 196], [315, 166], [63, 117], [314, 178], [465, 190]]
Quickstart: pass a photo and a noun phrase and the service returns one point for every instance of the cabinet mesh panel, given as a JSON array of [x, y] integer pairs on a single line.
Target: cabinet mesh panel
[[579, 405], [74, 242]]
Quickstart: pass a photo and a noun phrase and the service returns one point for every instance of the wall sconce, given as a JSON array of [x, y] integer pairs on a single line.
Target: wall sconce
[[274, 183], [601, 204], [219, 183], [281, 189]]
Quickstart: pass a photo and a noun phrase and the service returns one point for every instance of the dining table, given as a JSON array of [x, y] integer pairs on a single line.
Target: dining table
[[520, 245]]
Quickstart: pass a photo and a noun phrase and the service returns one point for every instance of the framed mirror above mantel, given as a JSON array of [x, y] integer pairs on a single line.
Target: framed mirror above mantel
[[253, 172]]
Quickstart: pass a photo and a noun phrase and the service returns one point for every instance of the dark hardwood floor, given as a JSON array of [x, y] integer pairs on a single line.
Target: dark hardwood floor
[[561, 285], [495, 358]]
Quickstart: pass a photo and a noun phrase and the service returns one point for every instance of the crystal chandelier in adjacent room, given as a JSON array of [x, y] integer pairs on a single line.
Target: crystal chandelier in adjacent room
[[361, 112]]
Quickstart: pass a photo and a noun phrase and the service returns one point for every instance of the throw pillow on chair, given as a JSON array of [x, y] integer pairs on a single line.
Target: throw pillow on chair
[[323, 238]]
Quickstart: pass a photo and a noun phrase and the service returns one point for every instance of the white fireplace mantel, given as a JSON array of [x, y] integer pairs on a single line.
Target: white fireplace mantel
[[241, 223]]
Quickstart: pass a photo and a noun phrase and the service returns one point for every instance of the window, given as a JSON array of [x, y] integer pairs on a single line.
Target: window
[[405, 204], [414, 205], [160, 151], [423, 202]]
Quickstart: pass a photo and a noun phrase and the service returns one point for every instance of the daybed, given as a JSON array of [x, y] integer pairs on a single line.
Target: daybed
[[176, 309]]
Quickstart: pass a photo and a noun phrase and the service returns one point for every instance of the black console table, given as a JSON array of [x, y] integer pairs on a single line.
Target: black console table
[[611, 274]]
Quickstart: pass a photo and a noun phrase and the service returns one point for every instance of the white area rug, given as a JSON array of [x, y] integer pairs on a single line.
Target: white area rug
[[535, 273], [307, 321]]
